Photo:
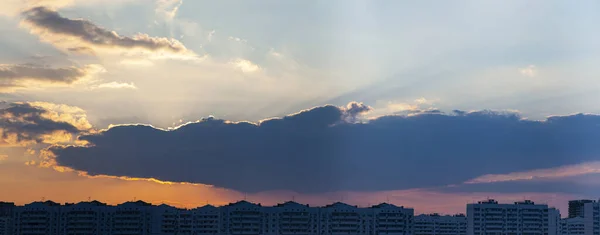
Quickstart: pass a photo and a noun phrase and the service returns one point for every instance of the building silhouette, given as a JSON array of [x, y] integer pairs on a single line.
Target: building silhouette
[[521, 218], [290, 218], [243, 217], [572, 226], [6, 210], [576, 207], [435, 224]]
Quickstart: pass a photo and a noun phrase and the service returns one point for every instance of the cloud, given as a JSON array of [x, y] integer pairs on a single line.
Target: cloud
[[24, 124], [116, 85], [317, 150], [529, 71], [76, 33], [137, 62], [168, 8], [14, 7], [81, 50], [353, 109], [558, 172], [585, 184], [401, 107], [422, 101], [13, 76], [245, 66]]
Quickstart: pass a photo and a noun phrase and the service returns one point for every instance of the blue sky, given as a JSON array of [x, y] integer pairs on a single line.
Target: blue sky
[[170, 62]]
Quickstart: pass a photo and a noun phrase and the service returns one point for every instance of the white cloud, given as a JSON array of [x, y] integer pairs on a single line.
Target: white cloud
[[422, 100], [399, 107], [529, 71], [245, 65], [275, 54], [236, 39], [116, 85], [168, 8], [140, 62], [211, 34]]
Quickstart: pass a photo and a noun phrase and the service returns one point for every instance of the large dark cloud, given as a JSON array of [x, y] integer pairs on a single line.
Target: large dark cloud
[[47, 22], [22, 124], [319, 150], [12, 75]]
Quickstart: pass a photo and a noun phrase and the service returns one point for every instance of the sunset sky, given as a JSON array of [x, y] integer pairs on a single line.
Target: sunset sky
[[425, 104]]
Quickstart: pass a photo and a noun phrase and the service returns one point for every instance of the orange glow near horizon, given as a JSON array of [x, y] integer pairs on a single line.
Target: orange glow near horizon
[[23, 184]]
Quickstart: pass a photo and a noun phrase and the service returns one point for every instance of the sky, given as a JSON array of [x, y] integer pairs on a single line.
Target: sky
[[424, 104]]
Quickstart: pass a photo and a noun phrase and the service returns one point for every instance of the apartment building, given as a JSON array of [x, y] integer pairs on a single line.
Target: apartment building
[[576, 207], [38, 218], [6, 210], [591, 218], [435, 224], [572, 226], [391, 219], [141, 218], [521, 218], [86, 218], [292, 218], [206, 220]]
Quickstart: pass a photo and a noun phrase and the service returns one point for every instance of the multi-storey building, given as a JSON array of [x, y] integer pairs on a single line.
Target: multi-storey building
[[206, 220], [86, 218], [591, 218], [521, 218], [5, 225], [435, 224], [141, 218], [341, 218], [572, 226], [576, 207], [133, 218], [391, 219], [185, 224], [291, 218], [6, 210], [41, 218], [242, 218]]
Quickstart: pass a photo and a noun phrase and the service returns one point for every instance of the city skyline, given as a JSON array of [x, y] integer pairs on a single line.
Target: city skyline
[[564, 214], [243, 217], [423, 103]]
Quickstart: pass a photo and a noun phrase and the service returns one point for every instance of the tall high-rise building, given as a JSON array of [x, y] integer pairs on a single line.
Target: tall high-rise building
[[576, 208], [521, 218], [591, 218]]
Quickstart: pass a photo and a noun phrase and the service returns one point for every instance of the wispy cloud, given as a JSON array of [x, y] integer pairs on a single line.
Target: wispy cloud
[[551, 173], [116, 85], [168, 8], [72, 33], [529, 71], [136, 62], [245, 66], [20, 76]]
